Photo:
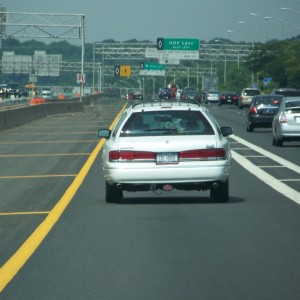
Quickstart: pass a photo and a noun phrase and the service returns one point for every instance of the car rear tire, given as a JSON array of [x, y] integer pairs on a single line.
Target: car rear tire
[[221, 193], [249, 127], [113, 194], [278, 142]]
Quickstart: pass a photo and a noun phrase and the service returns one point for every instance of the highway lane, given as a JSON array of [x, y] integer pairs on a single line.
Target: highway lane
[[174, 246], [38, 163], [283, 163]]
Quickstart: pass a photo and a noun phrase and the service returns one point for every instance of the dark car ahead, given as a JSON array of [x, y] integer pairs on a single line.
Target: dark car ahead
[[190, 94], [164, 93], [228, 97], [262, 110]]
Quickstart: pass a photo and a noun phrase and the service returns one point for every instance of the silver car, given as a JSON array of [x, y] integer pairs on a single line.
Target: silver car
[[286, 123], [162, 146], [246, 96], [212, 96]]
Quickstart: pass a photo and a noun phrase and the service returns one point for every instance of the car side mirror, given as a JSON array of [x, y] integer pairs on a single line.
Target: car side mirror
[[104, 133], [226, 131]]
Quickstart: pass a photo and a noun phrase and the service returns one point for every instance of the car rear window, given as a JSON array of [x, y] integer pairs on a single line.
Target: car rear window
[[251, 92], [268, 101], [291, 104], [169, 122]]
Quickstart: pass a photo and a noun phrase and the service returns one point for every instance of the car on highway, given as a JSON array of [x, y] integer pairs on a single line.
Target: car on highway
[[161, 146], [246, 96], [228, 97], [47, 93], [287, 92], [212, 97], [189, 93], [262, 111], [134, 95], [286, 123], [138, 95], [129, 96], [164, 93]]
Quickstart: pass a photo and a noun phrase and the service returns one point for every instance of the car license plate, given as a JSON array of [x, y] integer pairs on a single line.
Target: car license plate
[[166, 158], [297, 119]]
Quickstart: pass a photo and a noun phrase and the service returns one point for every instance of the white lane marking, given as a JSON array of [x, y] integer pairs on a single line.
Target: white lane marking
[[268, 154], [267, 178]]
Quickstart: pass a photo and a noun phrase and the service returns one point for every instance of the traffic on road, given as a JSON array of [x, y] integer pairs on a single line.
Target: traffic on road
[[60, 238]]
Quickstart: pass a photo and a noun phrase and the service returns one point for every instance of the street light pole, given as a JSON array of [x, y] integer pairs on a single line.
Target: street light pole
[[225, 61], [283, 22], [82, 31], [254, 15]]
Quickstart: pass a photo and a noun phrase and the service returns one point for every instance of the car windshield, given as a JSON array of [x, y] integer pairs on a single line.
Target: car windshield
[[154, 123]]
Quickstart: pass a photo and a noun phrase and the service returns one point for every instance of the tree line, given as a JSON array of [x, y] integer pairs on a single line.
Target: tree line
[[278, 60]]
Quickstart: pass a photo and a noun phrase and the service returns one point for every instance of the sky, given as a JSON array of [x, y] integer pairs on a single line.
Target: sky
[[123, 20]]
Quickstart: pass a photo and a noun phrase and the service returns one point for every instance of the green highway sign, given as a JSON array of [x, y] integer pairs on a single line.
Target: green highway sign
[[152, 66], [178, 44]]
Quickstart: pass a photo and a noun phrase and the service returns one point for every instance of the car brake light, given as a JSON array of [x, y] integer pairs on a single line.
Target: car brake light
[[253, 110], [203, 154], [131, 155], [222, 98], [283, 119]]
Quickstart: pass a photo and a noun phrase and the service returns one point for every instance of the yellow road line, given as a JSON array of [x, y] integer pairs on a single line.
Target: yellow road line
[[37, 176], [19, 258], [52, 154], [58, 133], [24, 213], [49, 142]]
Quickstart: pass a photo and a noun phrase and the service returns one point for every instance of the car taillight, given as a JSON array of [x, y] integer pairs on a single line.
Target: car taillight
[[253, 110], [131, 155], [283, 119], [203, 154], [222, 97], [235, 97]]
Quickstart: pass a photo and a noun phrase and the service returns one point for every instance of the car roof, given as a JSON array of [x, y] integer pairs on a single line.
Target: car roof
[[161, 105], [251, 89]]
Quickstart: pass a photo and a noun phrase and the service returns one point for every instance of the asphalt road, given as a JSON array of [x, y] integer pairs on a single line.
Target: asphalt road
[[178, 245]]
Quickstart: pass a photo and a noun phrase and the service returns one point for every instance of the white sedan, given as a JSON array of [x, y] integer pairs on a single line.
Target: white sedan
[[165, 146], [286, 123]]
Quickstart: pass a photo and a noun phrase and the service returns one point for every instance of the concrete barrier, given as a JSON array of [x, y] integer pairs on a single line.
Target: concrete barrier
[[19, 116]]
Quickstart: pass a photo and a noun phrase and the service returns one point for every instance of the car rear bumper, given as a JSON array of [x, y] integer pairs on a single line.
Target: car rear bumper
[[217, 171], [261, 121]]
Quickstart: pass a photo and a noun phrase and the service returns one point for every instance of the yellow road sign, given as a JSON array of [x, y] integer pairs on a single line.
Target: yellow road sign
[[125, 71]]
